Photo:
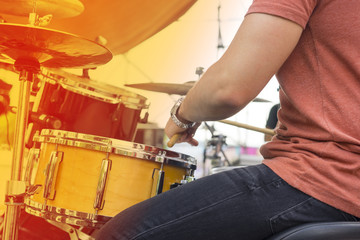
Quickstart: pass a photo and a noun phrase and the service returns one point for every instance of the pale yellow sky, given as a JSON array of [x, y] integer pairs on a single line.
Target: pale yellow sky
[[173, 55]]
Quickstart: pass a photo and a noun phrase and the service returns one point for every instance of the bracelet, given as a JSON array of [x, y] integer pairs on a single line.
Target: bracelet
[[173, 113]]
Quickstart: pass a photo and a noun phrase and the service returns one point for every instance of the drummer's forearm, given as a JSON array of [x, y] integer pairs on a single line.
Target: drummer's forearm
[[204, 103], [216, 96], [254, 56]]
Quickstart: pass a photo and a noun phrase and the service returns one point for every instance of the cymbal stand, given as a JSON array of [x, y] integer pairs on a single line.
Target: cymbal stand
[[16, 187], [216, 143]]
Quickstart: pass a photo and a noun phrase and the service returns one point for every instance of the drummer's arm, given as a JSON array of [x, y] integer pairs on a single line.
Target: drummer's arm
[[259, 48]]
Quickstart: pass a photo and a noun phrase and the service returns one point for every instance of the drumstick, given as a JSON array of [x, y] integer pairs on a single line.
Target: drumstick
[[242, 125], [173, 139]]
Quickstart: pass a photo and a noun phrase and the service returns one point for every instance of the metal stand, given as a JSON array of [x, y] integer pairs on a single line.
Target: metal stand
[[16, 187], [216, 144], [74, 233]]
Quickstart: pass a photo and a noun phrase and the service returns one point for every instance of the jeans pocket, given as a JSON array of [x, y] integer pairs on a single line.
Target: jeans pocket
[[307, 211]]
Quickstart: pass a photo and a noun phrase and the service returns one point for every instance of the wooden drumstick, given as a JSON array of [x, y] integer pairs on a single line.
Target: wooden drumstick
[[173, 139], [242, 125]]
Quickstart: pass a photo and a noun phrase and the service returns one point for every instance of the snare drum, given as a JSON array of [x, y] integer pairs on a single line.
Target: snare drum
[[85, 180], [82, 105]]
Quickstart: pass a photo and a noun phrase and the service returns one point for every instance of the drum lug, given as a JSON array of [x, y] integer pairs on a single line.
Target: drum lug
[[117, 114], [159, 183], [51, 173], [33, 157], [160, 158], [100, 191], [145, 118]]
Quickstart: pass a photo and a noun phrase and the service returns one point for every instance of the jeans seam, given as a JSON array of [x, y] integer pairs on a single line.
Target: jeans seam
[[346, 216], [279, 179], [202, 209], [286, 211]]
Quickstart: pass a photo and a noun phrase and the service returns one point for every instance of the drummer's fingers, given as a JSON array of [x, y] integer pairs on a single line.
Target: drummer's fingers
[[183, 138], [189, 138], [193, 142]]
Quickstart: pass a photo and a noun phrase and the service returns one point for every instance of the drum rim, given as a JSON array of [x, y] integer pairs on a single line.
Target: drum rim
[[93, 89], [64, 215], [116, 146]]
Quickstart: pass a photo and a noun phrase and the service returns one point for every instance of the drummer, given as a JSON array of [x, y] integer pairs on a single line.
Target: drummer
[[311, 167]]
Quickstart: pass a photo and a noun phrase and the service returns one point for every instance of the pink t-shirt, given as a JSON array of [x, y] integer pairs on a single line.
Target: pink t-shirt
[[317, 147]]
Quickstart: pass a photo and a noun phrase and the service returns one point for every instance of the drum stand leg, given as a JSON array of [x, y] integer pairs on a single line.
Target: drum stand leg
[[16, 187], [74, 233]]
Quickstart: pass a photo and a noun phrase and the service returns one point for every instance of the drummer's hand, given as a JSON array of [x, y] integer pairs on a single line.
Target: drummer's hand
[[186, 134]]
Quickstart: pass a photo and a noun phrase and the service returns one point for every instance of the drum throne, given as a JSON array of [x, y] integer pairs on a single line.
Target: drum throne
[[321, 231]]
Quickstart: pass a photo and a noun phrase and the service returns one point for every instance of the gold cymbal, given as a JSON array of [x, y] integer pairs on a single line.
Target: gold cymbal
[[122, 23], [173, 88], [59, 9], [49, 47]]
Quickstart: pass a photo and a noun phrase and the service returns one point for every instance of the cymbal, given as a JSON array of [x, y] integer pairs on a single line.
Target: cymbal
[[173, 88], [123, 23], [51, 48], [59, 9], [169, 88], [260, 100]]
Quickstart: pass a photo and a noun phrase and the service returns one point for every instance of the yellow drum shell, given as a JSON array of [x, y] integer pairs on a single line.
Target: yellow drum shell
[[131, 179]]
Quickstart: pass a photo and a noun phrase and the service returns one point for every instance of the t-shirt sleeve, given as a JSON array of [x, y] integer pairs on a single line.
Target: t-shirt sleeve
[[298, 11]]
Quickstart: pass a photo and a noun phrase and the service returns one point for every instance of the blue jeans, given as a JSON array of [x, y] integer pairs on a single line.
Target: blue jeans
[[244, 203]]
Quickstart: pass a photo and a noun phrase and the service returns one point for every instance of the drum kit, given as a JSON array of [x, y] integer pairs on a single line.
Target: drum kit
[[81, 167]]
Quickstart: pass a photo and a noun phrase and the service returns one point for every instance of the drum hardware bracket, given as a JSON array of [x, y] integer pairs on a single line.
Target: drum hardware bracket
[[160, 158], [74, 233], [189, 179], [36, 20], [182, 182], [100, 190], [15, 192], [33, 189]]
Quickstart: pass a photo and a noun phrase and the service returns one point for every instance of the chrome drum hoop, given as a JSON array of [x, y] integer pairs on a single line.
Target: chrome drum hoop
[[95, 89], [115, 146], [67, 216]]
